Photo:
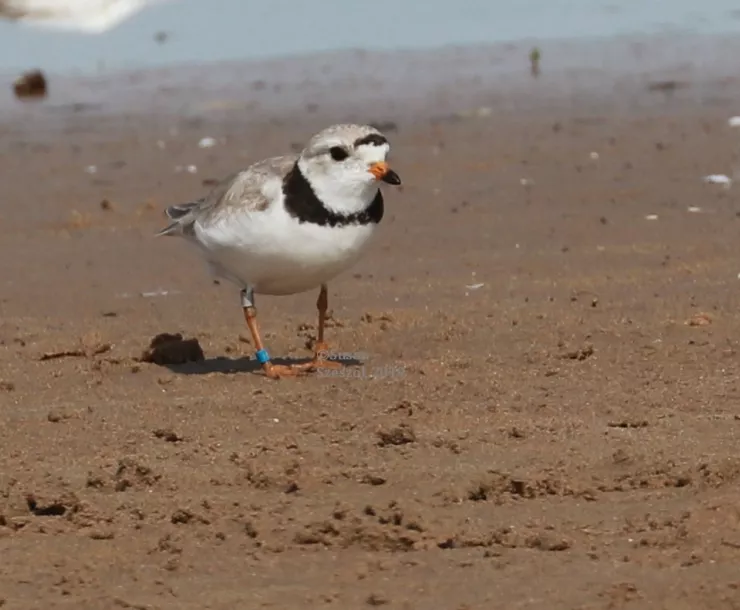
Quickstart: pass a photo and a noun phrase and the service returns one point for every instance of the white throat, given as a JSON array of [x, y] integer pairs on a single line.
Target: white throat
[[343, 197]]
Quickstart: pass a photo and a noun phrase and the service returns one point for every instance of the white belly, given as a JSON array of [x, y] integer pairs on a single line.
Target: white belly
[[275, 254]]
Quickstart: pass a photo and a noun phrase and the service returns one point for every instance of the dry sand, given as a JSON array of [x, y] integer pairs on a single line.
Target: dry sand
[[563, 435]]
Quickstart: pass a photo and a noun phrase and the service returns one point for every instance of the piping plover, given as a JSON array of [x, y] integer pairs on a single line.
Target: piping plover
[[290, 224]]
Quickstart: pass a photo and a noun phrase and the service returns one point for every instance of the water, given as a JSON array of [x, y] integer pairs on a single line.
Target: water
[[214, 30]]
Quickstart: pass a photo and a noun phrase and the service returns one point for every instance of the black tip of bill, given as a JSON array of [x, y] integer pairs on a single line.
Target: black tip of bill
[[392, 178]]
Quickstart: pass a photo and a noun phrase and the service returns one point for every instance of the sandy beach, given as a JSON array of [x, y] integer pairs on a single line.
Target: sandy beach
[[548, 415]]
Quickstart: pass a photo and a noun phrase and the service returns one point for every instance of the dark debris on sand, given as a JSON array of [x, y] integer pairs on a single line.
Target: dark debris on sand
[[173, 349]]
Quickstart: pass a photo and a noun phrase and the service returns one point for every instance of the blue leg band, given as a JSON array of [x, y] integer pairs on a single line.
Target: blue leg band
[[262, 356]]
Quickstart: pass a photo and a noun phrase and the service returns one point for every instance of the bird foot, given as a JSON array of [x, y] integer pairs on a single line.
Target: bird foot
[[322, 357], [278, 371], [321, 360], [318, 363]]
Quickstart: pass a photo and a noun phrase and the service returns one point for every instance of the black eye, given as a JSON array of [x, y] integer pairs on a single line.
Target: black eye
[[338, 153]]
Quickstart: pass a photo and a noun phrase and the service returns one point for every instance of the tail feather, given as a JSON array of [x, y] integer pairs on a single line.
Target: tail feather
[[177, 213], [171, 229], [181, 209]]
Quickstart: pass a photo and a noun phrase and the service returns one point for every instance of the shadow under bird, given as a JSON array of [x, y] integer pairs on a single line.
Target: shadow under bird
[[290, 224]]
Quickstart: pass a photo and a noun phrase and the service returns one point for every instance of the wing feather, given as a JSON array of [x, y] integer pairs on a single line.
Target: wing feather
[[252, 189]]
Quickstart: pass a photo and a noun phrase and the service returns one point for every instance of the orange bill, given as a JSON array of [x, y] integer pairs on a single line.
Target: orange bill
[[381, 171]]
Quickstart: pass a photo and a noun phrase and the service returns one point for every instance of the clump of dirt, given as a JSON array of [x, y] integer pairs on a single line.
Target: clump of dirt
[[582, 353], [31, 85], [382, 529], [384, 320], [400, 435], [496, 485], [648, 476], [719, 472], [699, 319], [184, 516], [53, 506], [540, 538], [370, 318], [133, 474], [168, 435], [173, 349]]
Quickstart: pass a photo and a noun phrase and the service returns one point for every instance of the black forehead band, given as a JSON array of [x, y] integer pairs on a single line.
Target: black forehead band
[[374, 138]]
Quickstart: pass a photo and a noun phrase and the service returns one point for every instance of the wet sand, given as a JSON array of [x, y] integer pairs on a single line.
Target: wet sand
[[547, 419]]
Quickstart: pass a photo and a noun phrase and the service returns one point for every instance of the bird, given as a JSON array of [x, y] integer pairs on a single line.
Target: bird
[[290, 224], [85, 16]]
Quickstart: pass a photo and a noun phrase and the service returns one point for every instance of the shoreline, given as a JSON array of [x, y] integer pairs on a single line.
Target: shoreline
[[604, 74]]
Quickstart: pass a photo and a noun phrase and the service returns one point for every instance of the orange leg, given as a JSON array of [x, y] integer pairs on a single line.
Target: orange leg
[[321, 349], [273, 371]]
